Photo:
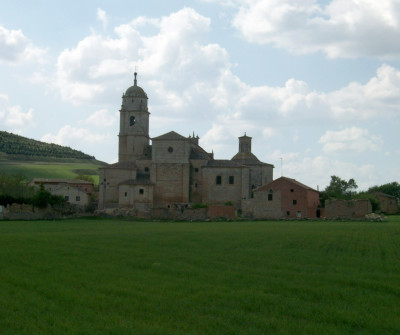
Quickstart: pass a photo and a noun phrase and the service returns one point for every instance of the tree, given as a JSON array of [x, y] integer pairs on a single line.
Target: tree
[[390, 188], [340, 189]]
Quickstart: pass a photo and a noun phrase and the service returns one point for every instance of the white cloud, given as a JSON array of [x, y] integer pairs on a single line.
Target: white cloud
[[16, 48], [350, 140], [169, 59], [12, 117], [101, 119], [102, 17], [72, 136], [316, 171], [342, 28], [190, 79]]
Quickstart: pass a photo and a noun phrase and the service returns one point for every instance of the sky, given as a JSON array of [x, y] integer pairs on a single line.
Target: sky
[[315, 83]]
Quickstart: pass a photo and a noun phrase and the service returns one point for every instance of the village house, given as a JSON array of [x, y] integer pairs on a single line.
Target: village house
[[75, 192], [283, 198]]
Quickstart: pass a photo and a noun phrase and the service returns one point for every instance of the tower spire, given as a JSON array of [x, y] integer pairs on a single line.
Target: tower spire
[[135, 81]]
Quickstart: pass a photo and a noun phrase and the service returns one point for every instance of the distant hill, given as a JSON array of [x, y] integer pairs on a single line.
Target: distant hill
[[35, 159], [12, 144]]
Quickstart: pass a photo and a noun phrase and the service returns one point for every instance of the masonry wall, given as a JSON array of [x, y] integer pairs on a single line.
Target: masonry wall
[[135, 195], [72, 195], [262, 207], [109, 180], [347, 209], [388, 203], [219, 194], [171, 183]]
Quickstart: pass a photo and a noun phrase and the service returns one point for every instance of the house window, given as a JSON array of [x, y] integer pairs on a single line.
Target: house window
[[294, 202], [146, 169], [270, 197], [291, 190], [196, 170], [78, 198], [231, 180], [287, 213], [141, 191], [170, 149], [218, 180], [66, 198], [126, 194]]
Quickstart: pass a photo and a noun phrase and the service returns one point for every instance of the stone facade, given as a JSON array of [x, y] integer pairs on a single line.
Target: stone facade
[[172, 171]]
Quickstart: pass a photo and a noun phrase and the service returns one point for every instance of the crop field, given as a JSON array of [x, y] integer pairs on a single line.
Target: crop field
[[109, 276], [51, 170]]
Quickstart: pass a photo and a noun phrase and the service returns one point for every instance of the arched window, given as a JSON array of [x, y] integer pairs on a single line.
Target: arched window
[[132, 120]]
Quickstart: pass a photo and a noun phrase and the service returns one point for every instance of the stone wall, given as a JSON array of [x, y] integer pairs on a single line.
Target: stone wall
[[27, 212], [227, 212], [262, 206], [219, 194], [347, 209], [388, 204]]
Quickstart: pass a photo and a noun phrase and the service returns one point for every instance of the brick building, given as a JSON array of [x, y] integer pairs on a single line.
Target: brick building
[[283, 198]]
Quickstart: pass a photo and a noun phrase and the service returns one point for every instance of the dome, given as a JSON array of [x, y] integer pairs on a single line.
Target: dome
[[135, 91]]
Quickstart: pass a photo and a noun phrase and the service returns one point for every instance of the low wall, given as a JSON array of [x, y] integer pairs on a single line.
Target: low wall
[[347, 209], [27, 212]]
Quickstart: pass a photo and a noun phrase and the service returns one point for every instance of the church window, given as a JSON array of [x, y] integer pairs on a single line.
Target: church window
[[141, 191], [132, 121], [196, 169], [126, 194], [218, 180], [294, 202], [270, 197], [66, 198], [170, 149], [231, 180], [78, 198], [195, 185], [287, 213], [291, 190], [146, 169]]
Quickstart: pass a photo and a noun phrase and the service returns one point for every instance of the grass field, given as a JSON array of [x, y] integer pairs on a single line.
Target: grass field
[[51, 170], [103, 276]]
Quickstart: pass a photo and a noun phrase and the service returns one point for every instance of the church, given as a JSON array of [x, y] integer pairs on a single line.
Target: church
[[173, 171]]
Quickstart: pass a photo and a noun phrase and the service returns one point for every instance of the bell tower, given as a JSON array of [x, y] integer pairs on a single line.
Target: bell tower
[[134, 124]]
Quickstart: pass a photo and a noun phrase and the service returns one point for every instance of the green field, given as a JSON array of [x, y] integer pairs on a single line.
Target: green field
[[103, 276], [51, 169]]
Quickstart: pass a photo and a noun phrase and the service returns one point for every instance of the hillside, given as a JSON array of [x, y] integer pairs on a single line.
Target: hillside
[[35, 159], [12, 144]]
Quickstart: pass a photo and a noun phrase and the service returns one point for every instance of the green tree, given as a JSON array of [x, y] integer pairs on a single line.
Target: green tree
[[390, 188], [340, 188]]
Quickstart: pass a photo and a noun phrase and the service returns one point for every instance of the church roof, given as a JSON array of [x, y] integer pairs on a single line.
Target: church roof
[[170, 136], [199, 153], [223, 163], [290, 180], [135, 91], [247, 158]]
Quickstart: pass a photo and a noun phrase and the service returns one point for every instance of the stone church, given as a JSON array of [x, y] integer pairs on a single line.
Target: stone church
[[171, 170]]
